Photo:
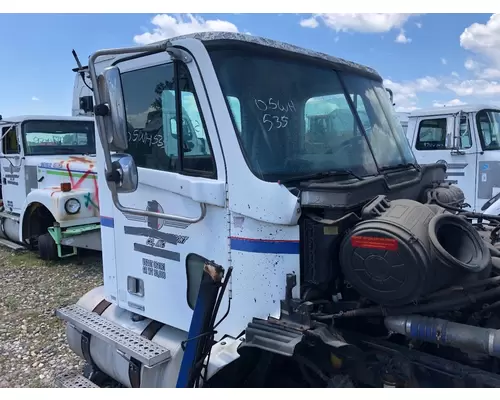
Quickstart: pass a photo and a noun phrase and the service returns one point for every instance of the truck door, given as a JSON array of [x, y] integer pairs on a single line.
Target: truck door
[[13, 178], [159, 263], [433, 142]]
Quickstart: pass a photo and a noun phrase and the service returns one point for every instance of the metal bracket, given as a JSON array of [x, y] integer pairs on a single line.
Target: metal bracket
[[134, 372], [58, 235], [179, 54], [85, 342]]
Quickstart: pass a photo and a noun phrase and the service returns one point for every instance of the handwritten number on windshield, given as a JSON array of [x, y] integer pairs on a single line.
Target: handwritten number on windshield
[[279, 122], [275, 121], [138, 135]]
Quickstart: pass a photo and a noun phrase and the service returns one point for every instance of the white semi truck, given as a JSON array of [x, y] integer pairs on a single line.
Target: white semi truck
[[467, 140], [49, 189], [285, 255]]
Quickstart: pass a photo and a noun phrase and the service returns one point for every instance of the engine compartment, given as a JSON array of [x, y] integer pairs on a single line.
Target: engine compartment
[[411, 269]]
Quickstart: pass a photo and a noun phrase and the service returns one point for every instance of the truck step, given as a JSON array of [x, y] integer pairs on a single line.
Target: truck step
[[126, 342], [74, 380], [11, 245]]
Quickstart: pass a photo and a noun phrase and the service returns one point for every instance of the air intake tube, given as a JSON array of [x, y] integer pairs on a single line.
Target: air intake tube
[[446, 333]]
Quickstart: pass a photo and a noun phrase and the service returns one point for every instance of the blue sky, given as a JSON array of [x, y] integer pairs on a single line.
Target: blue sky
[[427, 59]]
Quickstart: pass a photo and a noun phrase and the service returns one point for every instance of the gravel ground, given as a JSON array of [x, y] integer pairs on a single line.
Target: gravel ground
[[33, 347]]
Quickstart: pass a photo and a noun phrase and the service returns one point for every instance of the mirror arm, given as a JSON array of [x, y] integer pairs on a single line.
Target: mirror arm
[[102, 109]]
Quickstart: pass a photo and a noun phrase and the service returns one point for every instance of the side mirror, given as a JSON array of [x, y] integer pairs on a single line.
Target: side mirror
[[125, 174], [115, 117]]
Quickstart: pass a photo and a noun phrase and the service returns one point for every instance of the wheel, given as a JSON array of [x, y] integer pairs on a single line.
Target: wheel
[[47, 248]]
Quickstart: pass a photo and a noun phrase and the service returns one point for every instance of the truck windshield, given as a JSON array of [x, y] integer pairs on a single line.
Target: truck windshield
[[488, 125], [297, 117], [52, 137]]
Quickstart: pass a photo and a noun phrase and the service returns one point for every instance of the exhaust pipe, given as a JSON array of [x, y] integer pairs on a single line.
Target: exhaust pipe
[[443, 332]]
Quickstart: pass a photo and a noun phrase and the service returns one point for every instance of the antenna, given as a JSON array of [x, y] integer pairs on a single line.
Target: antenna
[[80, 68], [78, 63]]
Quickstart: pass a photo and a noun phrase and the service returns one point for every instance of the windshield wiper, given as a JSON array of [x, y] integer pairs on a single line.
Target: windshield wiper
[[400, 166], [321, 175]]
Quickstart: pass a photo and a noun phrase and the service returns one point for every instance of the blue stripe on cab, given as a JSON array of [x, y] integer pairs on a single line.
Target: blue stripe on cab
[[265, 246], [108, 222]]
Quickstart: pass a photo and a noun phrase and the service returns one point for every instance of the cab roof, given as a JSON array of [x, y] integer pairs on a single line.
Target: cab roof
[[467, 108], [22, 118], [213, 38]]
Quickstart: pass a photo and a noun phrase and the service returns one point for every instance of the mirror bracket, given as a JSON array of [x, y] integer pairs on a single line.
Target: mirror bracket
[[102, 110], [114, 175], [112, 128], [179, 54]]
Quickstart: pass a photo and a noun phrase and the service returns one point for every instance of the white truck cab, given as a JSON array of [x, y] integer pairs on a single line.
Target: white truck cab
[[231, 258], [50, 198], [467, 140]]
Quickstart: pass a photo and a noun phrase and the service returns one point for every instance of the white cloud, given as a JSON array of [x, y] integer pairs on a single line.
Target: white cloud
[[406, 109], [451, 103], [365, 23], [418, 24], [489, 73], [444, 61], [405, 93], [167, 26], [401, 38], [455, 74], [483, 39], [309, 23], [475, 87], [471, 65], [34, 98]]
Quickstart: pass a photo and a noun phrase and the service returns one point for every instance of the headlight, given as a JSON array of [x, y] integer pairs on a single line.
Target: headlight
[[72, 206]]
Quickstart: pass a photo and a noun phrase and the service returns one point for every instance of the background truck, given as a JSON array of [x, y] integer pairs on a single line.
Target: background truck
[[284, 257], [403, 117], [467, 140], [50, 197]]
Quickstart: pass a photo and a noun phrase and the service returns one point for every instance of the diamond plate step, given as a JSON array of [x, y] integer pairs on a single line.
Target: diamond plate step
[[74, 380], [131, 344]]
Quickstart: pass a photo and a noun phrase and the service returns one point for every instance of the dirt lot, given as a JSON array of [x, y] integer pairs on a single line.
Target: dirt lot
[[32, 340]]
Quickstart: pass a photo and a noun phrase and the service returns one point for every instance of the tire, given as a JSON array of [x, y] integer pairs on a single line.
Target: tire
[[47, 248]]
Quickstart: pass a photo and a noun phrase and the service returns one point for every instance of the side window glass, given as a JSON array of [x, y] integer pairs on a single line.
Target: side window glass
[[148, 96], [153, 129], [235, 106], [197, 156], [10, 144], [432, 134]]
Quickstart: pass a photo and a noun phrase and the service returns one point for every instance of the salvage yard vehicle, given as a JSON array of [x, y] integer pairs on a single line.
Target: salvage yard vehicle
[[403, 118], [49, 187], [467, 140], [283, 257]]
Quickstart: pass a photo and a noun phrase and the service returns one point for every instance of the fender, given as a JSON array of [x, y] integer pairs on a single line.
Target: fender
[[54, 200]]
